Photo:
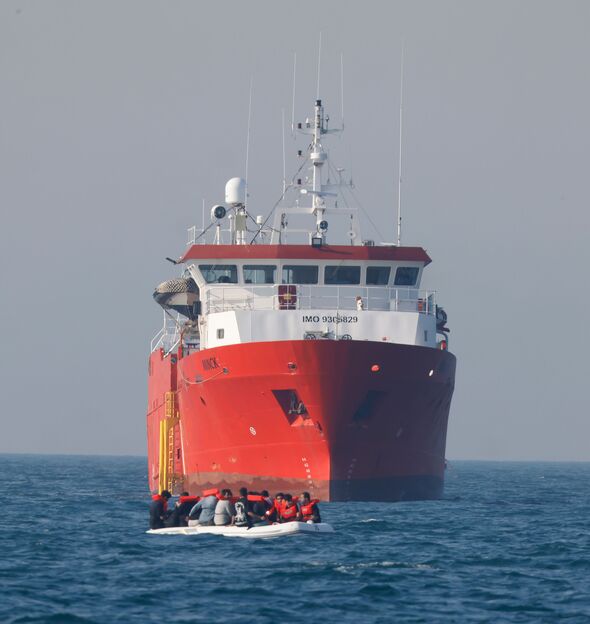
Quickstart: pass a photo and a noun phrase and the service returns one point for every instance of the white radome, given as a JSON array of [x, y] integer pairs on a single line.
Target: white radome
[[235, 192]]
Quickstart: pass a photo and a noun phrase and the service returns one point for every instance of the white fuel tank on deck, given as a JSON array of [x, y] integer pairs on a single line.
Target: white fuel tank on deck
[[235, 192]]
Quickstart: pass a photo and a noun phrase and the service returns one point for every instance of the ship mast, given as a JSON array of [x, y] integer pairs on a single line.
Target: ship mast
[[315, 187], [318, 157]]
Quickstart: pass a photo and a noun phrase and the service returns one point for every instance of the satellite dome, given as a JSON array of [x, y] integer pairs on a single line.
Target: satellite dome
[[235, 192]]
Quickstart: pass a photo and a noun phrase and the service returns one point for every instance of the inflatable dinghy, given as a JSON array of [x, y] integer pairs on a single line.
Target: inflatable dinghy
[[267, 531]]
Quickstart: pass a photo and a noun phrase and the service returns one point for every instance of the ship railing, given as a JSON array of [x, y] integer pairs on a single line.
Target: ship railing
[[191, 235], [303, 297], [194, 235], [168, 336]]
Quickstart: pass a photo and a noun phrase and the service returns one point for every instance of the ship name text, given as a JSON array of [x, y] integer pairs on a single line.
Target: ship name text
[[326, 318]]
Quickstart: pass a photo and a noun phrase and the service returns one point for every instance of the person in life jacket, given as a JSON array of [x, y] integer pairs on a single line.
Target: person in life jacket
[[242, 517], [204, 511], [182, 508], [274, 513], [267, 500], [159, 509], [309, 509], [289, 512], [225, 511], [258, 505]]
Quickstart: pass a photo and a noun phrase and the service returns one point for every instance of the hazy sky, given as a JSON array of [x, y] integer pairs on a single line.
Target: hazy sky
[[116, 118]]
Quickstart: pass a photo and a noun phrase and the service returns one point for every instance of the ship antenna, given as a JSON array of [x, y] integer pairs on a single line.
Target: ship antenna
[[399, 184], [293, 103], [203, 217], [248, 140], [342, 89], [319, 65], [284, 161]]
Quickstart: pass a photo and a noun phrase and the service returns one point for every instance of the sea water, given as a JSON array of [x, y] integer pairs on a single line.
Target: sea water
[[509, 542]]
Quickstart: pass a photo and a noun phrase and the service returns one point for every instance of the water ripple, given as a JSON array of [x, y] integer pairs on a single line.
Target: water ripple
[[507, 543]]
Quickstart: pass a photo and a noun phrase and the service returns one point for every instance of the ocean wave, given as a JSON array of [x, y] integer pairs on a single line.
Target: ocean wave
[[501, 546]]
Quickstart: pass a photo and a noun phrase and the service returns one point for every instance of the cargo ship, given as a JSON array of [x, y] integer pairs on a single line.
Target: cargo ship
[[289, 363]]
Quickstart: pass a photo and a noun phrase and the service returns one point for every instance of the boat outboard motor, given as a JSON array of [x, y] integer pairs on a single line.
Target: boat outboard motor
[[181, 295]]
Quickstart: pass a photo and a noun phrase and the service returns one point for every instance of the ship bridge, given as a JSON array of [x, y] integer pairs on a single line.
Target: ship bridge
[[261, 293]]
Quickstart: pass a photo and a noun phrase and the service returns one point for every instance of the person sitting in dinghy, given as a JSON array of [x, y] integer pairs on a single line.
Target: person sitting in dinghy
[[266, 499], [258, 506], [225, 511], [182, 508], [309, 509], [274, 513], [242, 506], [204, 511], [289, 512], [159, 509]]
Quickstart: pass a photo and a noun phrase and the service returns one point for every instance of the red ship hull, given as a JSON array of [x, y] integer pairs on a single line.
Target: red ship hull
[[373, 425]]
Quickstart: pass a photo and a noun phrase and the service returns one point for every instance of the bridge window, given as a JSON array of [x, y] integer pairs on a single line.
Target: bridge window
[[378, 276], [406, 276], [219, 273], [259, 273], [342, 275], [300, 274]]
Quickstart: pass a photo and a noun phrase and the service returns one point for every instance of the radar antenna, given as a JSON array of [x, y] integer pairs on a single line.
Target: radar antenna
[[399, 183], [319, 66], [248, 140]]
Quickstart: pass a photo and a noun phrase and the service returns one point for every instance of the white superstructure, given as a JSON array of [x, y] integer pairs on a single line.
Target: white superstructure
[[253, 287]]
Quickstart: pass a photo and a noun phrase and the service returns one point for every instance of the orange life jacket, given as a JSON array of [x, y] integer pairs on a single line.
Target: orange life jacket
[[307, 510], [289, 513], [189, 499], [276, 508], [162, 499]]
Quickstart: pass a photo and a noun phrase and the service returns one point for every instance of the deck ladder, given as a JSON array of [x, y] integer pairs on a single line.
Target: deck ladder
[[168, 478]]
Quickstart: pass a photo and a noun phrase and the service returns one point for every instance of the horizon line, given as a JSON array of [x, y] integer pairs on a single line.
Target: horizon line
[[144, 456]]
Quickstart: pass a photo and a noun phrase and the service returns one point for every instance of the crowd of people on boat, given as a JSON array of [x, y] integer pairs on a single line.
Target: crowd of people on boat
[[222, 508]]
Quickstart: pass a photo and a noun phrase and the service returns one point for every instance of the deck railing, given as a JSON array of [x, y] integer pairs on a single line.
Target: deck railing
[[301, 297], [168, 336], [298, 297]]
